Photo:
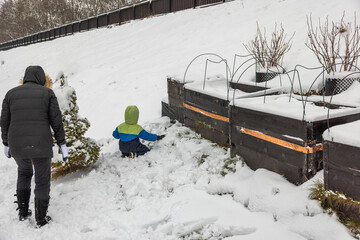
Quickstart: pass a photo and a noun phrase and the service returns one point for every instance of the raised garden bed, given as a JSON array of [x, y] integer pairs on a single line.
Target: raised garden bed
[[175, 90], [174, 107], [207, 107], [342, 159], [342, 167], [275, 135], [207, 114], [174, 113]]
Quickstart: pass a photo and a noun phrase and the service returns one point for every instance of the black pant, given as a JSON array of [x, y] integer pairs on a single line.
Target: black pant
[[134, 146], [42, 168]]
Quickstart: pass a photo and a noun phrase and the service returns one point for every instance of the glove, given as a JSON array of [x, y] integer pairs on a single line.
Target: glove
[[7, 151], [64, 152], [159, 137]]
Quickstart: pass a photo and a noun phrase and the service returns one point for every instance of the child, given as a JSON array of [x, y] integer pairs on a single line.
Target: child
[[129, 133]]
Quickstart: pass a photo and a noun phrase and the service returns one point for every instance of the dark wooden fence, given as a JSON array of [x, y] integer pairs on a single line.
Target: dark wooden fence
[[138, 10]]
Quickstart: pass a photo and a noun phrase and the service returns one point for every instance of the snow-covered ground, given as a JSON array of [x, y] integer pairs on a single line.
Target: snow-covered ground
[[176, 191]]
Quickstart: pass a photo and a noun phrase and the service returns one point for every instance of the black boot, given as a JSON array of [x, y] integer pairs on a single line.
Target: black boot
[[41, 207], [23, 198]]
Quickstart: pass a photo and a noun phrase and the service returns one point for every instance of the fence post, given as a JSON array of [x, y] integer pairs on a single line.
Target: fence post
[[194, 3], [120, 16], [134, 17], [170, 6], [150, 7]]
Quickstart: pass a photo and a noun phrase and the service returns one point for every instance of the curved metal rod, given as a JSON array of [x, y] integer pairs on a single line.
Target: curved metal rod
[[322, 73], [269, 70], [332, 95], [283, 72], [241, 76], [234, 73], [203, 54], [237, 55], [227, 76], [293, 80], [302, 98]]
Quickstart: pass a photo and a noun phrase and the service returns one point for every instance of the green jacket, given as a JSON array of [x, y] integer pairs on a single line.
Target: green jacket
[[130, 130]]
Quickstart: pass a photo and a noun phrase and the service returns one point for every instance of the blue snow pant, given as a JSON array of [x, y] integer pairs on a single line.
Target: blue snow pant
[[134, 146], [42, 168]]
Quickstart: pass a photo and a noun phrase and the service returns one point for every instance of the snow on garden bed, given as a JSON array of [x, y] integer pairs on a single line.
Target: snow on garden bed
[[284, 105], [346, 134], [350, 97], [218, 87]]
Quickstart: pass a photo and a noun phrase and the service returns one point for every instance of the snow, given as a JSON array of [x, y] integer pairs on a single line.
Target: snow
[[345, 133], [294, 138], [284, 105], [63, 95], [350, 97], [270, 70], [218, 86], [176, 191], [342, 75]]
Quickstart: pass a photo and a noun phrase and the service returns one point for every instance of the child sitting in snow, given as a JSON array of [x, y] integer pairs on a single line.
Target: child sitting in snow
[[129, 133]]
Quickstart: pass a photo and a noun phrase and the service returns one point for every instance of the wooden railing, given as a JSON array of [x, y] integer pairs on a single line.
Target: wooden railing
[[122, 15]]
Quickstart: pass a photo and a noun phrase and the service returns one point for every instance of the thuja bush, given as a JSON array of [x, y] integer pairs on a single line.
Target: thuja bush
[[83, 151]]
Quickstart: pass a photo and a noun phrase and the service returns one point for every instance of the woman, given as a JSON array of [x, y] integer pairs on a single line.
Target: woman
[[28, 112]]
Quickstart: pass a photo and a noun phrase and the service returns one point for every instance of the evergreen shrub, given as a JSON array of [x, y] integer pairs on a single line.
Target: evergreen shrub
[[83, 151]]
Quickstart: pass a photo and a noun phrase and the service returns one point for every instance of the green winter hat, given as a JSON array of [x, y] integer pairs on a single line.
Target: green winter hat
[[131, 115]]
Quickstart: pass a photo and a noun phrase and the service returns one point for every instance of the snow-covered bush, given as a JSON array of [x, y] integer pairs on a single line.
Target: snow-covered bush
[[269, 54], [83, 151]]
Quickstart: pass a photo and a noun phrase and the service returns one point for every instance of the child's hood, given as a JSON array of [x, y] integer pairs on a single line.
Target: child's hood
[[131, 115]]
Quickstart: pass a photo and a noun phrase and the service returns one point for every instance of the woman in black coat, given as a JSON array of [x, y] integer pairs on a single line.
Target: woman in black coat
[[28, 112]]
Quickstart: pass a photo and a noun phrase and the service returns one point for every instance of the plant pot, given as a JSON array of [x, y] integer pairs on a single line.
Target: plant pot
[[264, 75], [338, 84]]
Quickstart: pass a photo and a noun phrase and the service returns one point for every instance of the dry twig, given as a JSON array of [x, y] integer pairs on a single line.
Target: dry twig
[[326, 43], [269, 54]]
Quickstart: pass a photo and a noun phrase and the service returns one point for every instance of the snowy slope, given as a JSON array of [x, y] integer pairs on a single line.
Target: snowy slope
[[138, 56], [176, 190]]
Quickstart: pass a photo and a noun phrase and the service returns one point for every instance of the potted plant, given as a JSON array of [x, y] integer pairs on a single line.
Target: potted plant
[[336, 46], [268, 54]]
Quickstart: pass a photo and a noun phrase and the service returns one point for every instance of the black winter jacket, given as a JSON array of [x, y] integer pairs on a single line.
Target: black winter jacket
[[27, 113]]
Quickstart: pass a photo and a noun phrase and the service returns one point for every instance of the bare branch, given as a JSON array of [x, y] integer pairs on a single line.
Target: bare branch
[[269, 54], [335, 45]]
